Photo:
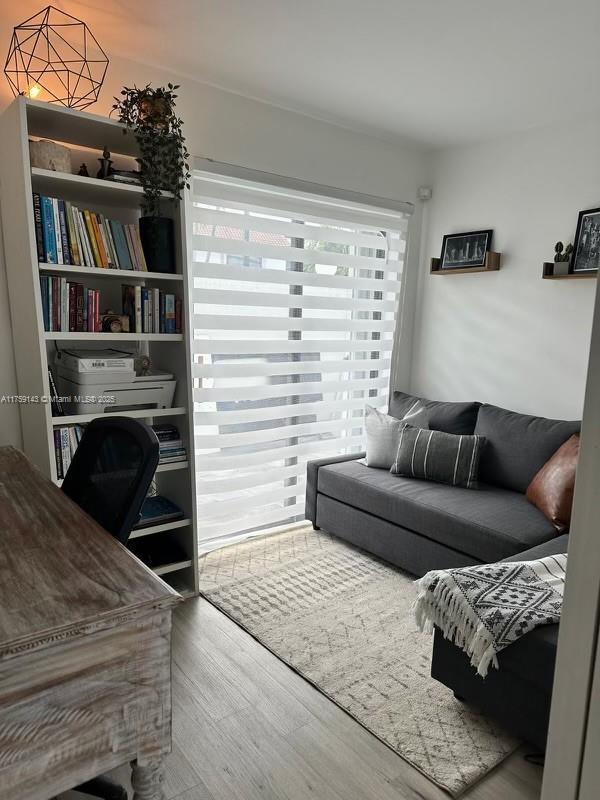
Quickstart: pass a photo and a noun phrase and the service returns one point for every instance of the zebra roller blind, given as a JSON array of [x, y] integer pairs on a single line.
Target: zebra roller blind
[[295, 298]]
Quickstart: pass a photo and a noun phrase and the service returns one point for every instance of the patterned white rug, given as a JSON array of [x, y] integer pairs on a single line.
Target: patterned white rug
[[342, 619]]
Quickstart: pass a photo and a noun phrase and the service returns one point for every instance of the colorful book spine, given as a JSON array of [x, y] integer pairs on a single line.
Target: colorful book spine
[[170, 313], [121, 245], [39, 234], [73, 243], [92, 238], [64, 238], [50, 253], [57, 236]]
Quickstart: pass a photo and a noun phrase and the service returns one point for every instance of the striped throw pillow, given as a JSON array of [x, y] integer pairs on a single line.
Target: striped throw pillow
[[438, 456]]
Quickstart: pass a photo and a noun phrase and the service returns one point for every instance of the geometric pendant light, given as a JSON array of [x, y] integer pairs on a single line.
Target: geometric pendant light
[[55, 57]]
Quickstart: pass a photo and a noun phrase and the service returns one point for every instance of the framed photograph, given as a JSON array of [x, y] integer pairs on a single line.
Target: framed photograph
[[463, 250], [586, 248]]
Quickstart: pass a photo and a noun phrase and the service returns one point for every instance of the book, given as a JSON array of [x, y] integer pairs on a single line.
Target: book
[[72, 233], [72, 308], [39, 234], [44, 286], [50, 254], [140, 247], [130, 247], [64, 239], [65, 450], [99, 241], [57, 236], [138, 309], [111, 243], [57, 454], [170, 313], [92, 238], [158, 510], [55, 403], [121, 245]]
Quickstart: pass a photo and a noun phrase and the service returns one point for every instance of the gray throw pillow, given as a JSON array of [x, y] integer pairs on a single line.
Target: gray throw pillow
[[442, 416], [438, 456], [383, 433]]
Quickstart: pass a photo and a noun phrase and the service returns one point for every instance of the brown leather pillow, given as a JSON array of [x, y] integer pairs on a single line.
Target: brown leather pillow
[[551, 490]]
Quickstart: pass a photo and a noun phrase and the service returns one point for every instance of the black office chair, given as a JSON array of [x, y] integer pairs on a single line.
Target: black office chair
[[109, 478]]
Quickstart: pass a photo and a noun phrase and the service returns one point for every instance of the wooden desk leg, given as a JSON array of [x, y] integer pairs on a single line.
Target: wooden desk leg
[[147, 780]]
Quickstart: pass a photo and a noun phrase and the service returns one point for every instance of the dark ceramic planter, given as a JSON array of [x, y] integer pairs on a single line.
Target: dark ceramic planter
[[158, 240]]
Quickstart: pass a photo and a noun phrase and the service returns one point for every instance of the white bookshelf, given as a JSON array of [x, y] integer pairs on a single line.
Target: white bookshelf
[[35, 348]]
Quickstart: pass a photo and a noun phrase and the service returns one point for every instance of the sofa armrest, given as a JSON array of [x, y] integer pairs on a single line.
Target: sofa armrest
[[312, 476]]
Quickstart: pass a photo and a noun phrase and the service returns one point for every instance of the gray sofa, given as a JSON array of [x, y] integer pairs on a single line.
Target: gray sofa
[[421, 525]]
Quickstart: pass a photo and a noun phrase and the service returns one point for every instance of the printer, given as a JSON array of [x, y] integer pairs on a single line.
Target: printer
[[105, 381]]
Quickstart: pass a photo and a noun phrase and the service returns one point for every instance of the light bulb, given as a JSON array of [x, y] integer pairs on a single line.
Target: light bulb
[[34, 91]]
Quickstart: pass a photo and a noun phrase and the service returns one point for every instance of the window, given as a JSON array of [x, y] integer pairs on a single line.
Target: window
[[294, 309]]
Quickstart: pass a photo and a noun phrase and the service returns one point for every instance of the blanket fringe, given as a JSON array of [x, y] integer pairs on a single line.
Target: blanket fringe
[[441, 604]]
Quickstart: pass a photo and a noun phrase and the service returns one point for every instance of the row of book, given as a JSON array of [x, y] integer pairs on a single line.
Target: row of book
[[66, 441], [151, 311], [69, 306], [68, 235], [171, 444]]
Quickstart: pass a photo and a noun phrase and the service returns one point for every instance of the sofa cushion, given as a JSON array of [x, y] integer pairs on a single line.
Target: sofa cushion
[[456, 418], [553, 487], [488, 524], [383, 433], [438, 456], [518, 445]]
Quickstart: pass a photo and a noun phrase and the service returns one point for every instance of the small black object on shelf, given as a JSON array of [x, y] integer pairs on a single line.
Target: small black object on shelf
[[158, 240]]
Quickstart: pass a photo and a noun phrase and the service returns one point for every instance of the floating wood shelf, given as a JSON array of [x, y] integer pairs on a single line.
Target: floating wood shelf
[[492, 264], [548, 273]]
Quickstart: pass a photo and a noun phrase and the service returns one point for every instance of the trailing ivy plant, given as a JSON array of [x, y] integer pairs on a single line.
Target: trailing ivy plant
[[150, 114]]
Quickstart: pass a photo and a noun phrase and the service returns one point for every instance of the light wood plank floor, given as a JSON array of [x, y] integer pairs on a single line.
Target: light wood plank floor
[[246, 727]]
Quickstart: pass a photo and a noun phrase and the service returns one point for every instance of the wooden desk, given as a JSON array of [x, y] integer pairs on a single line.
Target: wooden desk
[[85, 646]]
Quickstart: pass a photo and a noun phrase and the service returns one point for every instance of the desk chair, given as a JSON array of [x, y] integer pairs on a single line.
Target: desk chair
[[108, 478]]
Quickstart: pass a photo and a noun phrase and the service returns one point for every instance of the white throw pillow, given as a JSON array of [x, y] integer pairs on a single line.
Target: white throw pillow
[[383, 433]]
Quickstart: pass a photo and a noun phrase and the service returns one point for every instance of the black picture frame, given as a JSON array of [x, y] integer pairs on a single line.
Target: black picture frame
[[463, 257], [586, 247]]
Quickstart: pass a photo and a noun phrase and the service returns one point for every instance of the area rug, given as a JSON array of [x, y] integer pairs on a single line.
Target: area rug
[[342, 619]]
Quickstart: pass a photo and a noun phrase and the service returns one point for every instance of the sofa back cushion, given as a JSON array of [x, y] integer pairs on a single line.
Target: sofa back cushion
[[457, 418], [517, 445]]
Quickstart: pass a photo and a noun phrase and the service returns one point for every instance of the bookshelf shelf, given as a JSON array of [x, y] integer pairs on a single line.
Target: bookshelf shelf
[[165, 569], [83, 336], [175, 465], [86, 190], [99, 272], [35, 348], [142, 413], [164, 528]]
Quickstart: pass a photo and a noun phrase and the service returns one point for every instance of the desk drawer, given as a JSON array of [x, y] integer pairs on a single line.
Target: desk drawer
[[76, 709]]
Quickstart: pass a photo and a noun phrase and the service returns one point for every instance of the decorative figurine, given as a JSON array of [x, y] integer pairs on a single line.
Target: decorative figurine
[[83, 171], [560, 255], [105, 164]]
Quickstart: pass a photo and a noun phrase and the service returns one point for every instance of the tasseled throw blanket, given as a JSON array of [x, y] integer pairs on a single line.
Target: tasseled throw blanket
[[485, 608]]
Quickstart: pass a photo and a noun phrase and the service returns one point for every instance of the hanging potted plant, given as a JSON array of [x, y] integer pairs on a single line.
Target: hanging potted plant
[[163, 159]]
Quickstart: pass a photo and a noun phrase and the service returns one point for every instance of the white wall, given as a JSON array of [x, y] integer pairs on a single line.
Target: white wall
[[509, 338], [230, 128]]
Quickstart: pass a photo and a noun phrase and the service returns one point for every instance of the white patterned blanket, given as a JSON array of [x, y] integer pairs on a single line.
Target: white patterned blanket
[[485, 608]]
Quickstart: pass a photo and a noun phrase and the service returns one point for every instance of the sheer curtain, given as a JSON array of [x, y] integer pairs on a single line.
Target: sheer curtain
[[295, 298]]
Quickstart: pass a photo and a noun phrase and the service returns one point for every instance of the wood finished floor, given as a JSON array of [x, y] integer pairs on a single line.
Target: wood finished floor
[[246, 727]]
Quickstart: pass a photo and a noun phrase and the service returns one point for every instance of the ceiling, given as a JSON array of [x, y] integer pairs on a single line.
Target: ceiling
[[442, 72]]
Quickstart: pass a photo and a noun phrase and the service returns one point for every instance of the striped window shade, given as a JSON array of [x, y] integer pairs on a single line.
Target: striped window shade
[[294, 308]]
